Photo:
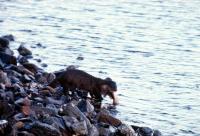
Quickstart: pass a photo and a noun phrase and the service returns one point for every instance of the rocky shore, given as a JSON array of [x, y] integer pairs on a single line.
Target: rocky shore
[[28, 107]]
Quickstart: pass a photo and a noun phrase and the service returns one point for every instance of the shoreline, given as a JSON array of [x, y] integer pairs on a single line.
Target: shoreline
[[29, 107]]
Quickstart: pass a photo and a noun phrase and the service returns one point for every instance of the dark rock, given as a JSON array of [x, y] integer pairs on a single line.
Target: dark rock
[[4, 43], [45, 78], [24, 51], [38, 60], [80, 58], [126, 130], [44, 65], [85, 106], [32, 67], [9, 37], [42, 129], [6, 109], [157, 133], [39, 45], [26, 79], [8, 59], [104, 117], [145, 131], [22, 59]]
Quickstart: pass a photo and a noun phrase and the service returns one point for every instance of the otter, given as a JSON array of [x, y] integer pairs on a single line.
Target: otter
[[77, 79]]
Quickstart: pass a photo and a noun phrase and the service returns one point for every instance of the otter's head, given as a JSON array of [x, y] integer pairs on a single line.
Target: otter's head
[[109, 88]]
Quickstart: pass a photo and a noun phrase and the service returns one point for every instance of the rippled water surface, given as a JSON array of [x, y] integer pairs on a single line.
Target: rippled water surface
[[150, 47]]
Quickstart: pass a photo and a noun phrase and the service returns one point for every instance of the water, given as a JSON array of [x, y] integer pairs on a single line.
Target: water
[[150, 47]]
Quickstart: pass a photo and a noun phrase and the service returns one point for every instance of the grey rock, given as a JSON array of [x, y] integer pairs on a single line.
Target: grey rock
[[43, 129], [85, 106]]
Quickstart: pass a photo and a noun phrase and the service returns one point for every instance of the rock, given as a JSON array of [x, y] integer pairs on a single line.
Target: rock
[[24, 133], [157, 133], [44, 65], [6, 109], [4, 43], [22, 59], [24, 51], [53, 101], [19, 124], [126, 130], [145, 131], [45, 78], [104, 117], [80, 58], [4, 79], [73, 111], [93, 131], [9, 37], [104, 131], [32, 67], [42, 129], [85, 106], [8, 59], [80, 128]]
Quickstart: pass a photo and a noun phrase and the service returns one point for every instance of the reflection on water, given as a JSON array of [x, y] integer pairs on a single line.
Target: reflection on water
[[150, 47]]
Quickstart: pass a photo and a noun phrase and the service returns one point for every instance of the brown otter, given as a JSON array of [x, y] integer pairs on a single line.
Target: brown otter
[[73, 78]]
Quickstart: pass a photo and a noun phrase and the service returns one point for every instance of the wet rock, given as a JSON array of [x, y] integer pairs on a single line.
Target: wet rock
[[157, 133], [145, 131], [9, 37], [80, 58], [42, 129], [4, 43], [104, 117], [8, 59], [24, 51], [38, 60], [44, 65], [126, 130], [39, 45]]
